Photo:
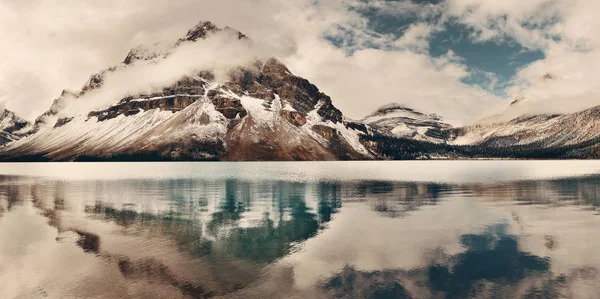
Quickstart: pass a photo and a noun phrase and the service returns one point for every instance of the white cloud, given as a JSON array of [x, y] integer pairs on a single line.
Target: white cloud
[[565, 30], [47, 46], [416, 37], [499, 20], [371, 78], [219, 52]]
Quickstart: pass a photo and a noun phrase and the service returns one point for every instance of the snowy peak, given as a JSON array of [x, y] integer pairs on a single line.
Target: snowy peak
[[10, 125], [10, 122], [538, 131], [145, 52], [50, 117], [395, 108], [259, 111], [400, 121], [200, 31], [205, 28], [524, 103], [164, 48], [141, 54]]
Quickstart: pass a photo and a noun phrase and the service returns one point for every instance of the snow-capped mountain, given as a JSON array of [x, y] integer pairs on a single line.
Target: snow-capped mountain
[[10, 126], [260, 112], [543, 131], [528, 102], [400, 121]]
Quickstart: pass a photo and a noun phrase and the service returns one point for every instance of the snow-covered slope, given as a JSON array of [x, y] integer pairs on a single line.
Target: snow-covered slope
[[537, 99], [400, 121], [260, 112], [524, 122], [544, 131], [10, 125]]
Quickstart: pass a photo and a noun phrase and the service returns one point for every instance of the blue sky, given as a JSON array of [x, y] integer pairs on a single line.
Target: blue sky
[[493, 64], [503, 59]]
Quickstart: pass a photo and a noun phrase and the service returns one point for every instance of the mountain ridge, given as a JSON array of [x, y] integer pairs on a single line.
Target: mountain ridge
[[10, 125], [262, 111], [398, 120]]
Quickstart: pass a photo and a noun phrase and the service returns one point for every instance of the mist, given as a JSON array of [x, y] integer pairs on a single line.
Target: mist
[[219, 53]]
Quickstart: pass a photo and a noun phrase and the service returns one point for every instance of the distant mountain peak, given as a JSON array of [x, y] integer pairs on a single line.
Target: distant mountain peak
[[164, 48], [7, 114], [398, 120], [548, 76], [201, 30], [391, 107], [235, 31], [146, 52], [10, 124], [396, 107]]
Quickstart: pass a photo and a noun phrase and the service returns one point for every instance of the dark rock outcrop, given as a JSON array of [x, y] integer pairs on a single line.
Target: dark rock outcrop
[[324, 131], [132, 107], [229, 107], [63, 121], [10, 124], [173, 98], [294, 117], [264, 80], [203, 29], [13, 122], [299, 92]]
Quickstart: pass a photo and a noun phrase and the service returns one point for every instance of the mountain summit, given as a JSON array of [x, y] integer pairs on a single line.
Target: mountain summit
[[10, 125], [260, 112], [400, 121]]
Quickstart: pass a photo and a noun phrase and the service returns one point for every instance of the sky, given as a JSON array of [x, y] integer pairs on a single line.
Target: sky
[[462, 59]]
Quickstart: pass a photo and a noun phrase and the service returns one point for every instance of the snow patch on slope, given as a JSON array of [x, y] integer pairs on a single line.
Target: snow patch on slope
[[259, 113], [89, 136]]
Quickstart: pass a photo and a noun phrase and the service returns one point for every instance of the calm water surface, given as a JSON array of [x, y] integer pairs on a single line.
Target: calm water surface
[[472, 229]]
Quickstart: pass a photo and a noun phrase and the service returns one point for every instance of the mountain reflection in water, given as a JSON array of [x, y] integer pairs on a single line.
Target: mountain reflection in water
[[240, 238]]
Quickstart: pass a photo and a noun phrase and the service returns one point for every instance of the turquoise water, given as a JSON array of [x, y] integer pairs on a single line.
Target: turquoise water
[[466, 229]]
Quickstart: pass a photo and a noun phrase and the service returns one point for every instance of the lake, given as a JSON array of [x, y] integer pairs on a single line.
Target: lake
[[431, 229]]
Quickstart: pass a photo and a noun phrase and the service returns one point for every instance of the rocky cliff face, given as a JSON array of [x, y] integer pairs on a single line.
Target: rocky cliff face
[[261, 112], [10, 126]]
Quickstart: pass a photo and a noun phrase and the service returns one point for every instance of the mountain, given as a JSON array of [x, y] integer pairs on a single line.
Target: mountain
[[545, 136], [402, 133], [260, 112], [526, 102], [543, 131], [10, 125], [400, 121]]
